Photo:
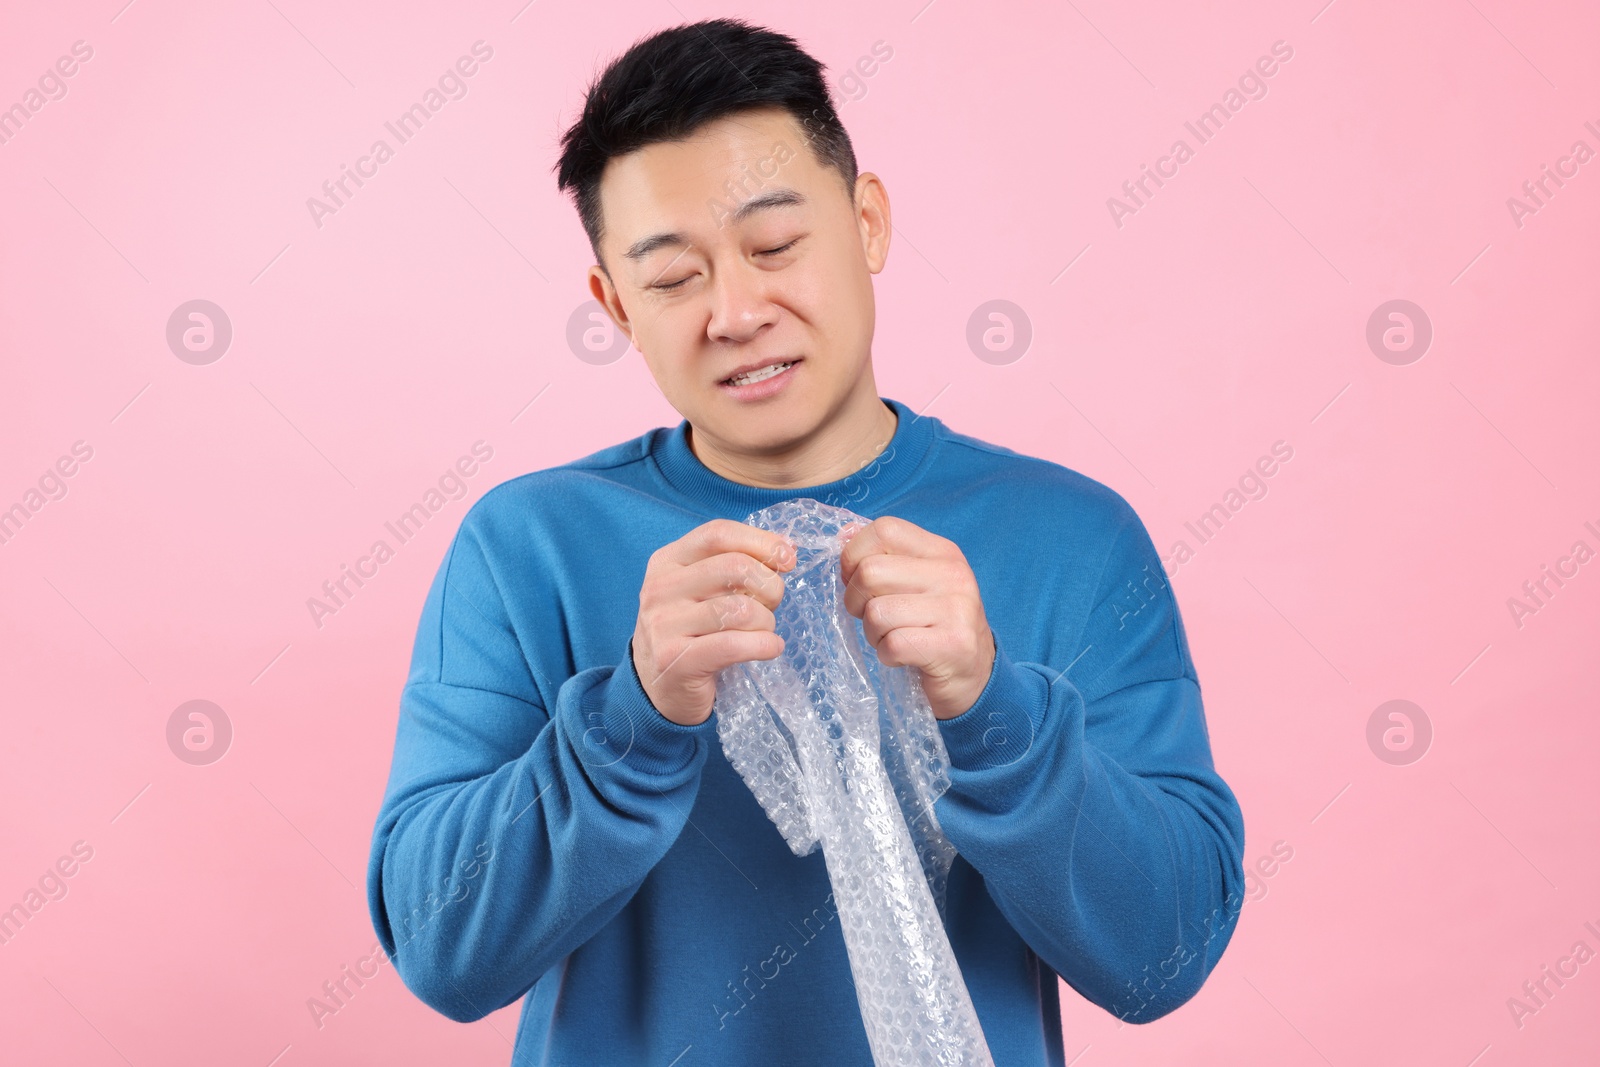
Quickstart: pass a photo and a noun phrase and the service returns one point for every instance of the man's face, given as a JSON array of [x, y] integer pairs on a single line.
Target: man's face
[[736, 247]]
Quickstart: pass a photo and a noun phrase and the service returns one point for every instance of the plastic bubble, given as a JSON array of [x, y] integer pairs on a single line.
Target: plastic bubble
[[861, 785]]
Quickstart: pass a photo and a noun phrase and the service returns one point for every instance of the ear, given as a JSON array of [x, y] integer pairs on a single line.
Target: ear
[[605, 292], [872, 220]]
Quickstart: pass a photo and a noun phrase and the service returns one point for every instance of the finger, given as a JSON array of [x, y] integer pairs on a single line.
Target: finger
[[922, 647], [727, 573], [735, 611], [706, 655], [890, 535], [767, 547], [886, 613], [883, 575]]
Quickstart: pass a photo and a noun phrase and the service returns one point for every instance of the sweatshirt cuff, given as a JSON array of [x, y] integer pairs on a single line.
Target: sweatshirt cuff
[[1003, 723], [631, 730]]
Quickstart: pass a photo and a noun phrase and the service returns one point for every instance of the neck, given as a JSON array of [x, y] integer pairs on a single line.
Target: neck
[[837, 448]]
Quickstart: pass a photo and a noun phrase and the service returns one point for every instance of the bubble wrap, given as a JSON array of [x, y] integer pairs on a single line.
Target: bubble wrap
[[843, 751]]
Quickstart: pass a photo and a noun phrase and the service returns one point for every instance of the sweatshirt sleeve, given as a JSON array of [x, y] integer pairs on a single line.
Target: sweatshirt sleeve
[[510, 833], [1089, 802]]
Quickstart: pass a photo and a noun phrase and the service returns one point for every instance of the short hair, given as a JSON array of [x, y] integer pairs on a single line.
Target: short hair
[[669, 84]]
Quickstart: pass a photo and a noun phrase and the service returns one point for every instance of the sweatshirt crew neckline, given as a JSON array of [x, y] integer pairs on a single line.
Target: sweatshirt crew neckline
[[882, 478]]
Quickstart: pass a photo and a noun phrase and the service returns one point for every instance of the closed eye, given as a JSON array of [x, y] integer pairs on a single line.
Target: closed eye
[[765, 252]]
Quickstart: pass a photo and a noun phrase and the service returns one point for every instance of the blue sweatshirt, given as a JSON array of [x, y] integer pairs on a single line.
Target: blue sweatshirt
[[547, 834]]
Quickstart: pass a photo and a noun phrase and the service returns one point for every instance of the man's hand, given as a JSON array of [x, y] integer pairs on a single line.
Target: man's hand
[[707, 603], [918, 603]]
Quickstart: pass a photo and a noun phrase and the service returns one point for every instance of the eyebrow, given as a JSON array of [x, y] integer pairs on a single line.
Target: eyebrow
[[770, 199]]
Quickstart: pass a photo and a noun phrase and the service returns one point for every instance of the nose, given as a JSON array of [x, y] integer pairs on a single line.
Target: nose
[[740, 304]]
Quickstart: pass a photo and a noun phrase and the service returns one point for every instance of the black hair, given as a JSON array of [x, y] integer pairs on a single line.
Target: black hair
[[669, 84]]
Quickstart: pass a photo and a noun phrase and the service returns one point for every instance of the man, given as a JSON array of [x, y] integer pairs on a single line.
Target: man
[[560, 822]]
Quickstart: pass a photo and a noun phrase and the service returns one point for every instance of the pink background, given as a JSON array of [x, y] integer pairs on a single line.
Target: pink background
[[430, 312]]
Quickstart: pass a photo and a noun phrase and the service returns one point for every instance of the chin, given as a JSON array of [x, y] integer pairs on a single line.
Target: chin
[[780, 423]]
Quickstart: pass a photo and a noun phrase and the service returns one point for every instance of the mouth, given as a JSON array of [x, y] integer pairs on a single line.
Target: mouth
[[763, 381], [761, 373]]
